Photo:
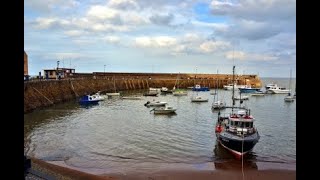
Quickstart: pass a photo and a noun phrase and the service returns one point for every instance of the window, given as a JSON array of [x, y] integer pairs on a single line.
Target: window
[[50, 72], [247, 124]]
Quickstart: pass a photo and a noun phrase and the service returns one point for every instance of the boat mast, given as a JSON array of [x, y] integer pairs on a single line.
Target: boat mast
[[290, 84], [233, 102], [217, 86]]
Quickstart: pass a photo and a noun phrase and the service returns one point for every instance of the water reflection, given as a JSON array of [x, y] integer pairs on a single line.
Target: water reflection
[[224, 160], [88, 106]]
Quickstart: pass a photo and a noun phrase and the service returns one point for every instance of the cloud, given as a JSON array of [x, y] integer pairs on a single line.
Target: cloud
[[112, 39], [157, 41], [240, 55], [189, 43], [161, 19], [123, 4], [255, 10], [45, 23], [102, 13], [254, 20], [74, 33], [213, 46], [250, 29], [46, 6]]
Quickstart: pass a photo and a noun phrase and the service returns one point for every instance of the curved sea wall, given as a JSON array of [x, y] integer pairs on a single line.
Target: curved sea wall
[[44, 93]]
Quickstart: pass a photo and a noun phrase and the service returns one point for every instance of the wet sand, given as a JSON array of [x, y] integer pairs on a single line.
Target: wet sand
[[63, 172]]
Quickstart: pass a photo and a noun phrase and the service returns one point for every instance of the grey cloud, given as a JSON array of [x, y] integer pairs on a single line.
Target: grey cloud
[[124, 5], [162, 19], [250, 30], [256, 10]]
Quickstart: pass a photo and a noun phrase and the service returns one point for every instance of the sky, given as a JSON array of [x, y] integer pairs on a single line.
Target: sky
[[162, 36]]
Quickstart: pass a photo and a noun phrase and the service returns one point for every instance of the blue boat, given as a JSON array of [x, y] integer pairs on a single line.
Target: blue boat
[[88, 100], [199, 88], [248, 90]]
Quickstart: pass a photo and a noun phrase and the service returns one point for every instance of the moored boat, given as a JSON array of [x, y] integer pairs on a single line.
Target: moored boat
[[163, 110], [155, 103], [236, 131], [248, 89], [218, 105], [197, 87], [199, 99], [88, 99]]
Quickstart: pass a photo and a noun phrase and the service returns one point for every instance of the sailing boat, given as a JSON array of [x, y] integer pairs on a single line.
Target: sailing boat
[[198, 98], [236, 132], [115, 89], [178, 92], [218, 104], [289, 97]]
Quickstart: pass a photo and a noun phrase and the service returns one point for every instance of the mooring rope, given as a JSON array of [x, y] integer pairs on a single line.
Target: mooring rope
[[242, 156]]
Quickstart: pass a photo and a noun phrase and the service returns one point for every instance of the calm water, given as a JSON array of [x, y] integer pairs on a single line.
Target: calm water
[[120, 136]]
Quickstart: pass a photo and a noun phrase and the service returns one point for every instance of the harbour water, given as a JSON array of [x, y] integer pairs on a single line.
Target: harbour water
[[121, 136]]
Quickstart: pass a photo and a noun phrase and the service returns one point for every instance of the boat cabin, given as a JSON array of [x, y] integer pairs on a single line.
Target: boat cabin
[[240, 123]]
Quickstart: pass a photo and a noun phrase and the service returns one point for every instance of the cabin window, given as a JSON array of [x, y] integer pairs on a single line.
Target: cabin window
[[247, 124], [232, 123]]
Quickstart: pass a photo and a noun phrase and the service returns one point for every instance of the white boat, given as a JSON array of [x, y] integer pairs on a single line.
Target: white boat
[[278, 90], [97, 96], [268, 86], [199, 99], [165, 90], [164, 110], [155, 89], [242, 97], [289, 97], [218, 105], [155, 103], [180, 93], [229, 86]]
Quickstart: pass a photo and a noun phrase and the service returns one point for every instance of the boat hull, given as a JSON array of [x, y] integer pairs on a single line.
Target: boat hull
[[164, 111], [289, 99], [234, 145], [272, 91], [180, 93], [247, 90], [201, 89]]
